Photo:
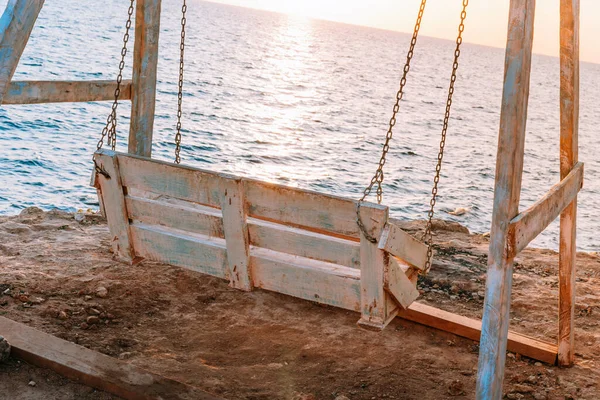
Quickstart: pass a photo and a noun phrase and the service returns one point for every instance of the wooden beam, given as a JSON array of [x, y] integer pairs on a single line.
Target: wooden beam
[[35, 92], [16, 25], [530, 223], [399, 243], [235, 226], [569, 126], [92, 368], [113, 198], [471, 329], [145, 62], [399, 285], [509, 171]]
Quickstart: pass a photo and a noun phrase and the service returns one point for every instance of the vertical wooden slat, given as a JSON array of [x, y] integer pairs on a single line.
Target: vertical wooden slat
[[235, 228], [111, 190], [145, 61], [509, 169], [16, 25], [375, 304], [569, 125]]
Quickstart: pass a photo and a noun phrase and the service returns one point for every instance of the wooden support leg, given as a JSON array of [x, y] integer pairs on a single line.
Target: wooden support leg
[[16, 25], [377, 308], [145, 61], [569, 123], [509, 169], [235, 228]]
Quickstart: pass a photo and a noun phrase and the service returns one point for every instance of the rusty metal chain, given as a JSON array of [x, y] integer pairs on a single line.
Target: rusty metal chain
[[427, 236], [180, 84], [378, 177], [110, 129]]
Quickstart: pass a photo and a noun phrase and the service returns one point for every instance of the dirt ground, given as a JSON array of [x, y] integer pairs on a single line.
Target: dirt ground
[[57, 272]]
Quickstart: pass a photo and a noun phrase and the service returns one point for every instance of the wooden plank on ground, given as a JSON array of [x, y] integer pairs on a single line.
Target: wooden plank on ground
[[399, 243], [181, 182], [145, 64], [92, 368], [530, 223], [302, 208], [507, 192], [399, 285], [307, 279], [113, 199], [195, 252], [471, 329], [34, 92], [16, 25], [235, 227], [569, 132]]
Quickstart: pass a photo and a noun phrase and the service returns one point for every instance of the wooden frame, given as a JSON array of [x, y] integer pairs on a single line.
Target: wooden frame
[[368, 278]]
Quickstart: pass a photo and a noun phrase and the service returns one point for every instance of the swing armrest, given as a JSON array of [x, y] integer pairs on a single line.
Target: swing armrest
[[402, 245]]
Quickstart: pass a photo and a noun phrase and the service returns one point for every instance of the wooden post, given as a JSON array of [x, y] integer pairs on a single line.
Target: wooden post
[[569, 124], [235, 228], [376, 306], [16, 25], [145, 61], [509, 170]]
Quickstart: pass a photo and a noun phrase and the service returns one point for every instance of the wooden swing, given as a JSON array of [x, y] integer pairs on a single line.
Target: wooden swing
[[318, 247]]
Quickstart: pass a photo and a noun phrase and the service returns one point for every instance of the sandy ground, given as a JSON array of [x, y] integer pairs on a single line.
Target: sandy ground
[[59, 276]]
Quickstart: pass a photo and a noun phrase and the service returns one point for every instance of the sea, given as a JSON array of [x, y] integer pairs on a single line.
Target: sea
[[294, 101]]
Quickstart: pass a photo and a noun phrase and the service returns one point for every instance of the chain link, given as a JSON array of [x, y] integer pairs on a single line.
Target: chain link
[[378, 177], [427, 236], [180, 85], [110, 129]]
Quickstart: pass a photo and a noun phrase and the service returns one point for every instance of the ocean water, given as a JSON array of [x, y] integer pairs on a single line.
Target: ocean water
[[295, 101]]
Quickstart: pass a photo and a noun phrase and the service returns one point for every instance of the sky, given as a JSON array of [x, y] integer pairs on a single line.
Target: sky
[[487, 20]]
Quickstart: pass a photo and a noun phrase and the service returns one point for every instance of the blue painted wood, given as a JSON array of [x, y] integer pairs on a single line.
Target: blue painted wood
[[509, 170], [16, 25]]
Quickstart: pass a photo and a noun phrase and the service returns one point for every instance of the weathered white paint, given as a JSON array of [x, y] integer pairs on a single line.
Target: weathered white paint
[[34, 92], [399, 285], [16, 25], [399, 243]]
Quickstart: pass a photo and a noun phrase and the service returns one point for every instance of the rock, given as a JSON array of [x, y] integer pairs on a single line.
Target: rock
[[62, 315], [84, 326], [540, 396], [93, 311], [514, 396], [37, 300], [485, 235], [31, 383], [92, 320], [532, 379], [87, 298], [6, 292], [126, 355], [102, 292], [538, 364], [4, 350], [3, 302], [342, 397], [441, 225], [456, 388]]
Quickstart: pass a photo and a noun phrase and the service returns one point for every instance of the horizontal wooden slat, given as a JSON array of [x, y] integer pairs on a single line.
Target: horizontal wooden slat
[[303, 208], [33, 92], [304, 243], [92, 368], [196, 252], [306, 279], [190, 217], [399, 243], [177, 181], [530, 223], [471, 329]]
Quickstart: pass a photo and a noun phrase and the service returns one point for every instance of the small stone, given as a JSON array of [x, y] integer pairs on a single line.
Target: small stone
[[62, 315], [87, 298], [532, 379], [93, 311], [6, 292], [540, 396], [84, 326], [110, 316], [538, 364], [124, 356], [456, 388], [4, 350], [23, 297], [37, 300], [514, 396], [102, 292], [92, 320], [342, 397], [3, 302], [31, 383]]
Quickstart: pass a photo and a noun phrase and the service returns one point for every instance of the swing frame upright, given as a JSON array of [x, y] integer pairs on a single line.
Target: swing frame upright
[[511, 230]]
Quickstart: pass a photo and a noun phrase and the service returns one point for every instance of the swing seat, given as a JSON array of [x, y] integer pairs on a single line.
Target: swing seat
[[259, 235]]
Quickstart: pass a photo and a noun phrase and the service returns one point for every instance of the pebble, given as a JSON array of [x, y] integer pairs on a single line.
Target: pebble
[[456, 388], [102, 292], [32, 383], [62, 315], [84, 326], [124, 356], [4, 350], [87, 298], [93, 311], [538, 364], [37, 300], [92, 320]]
